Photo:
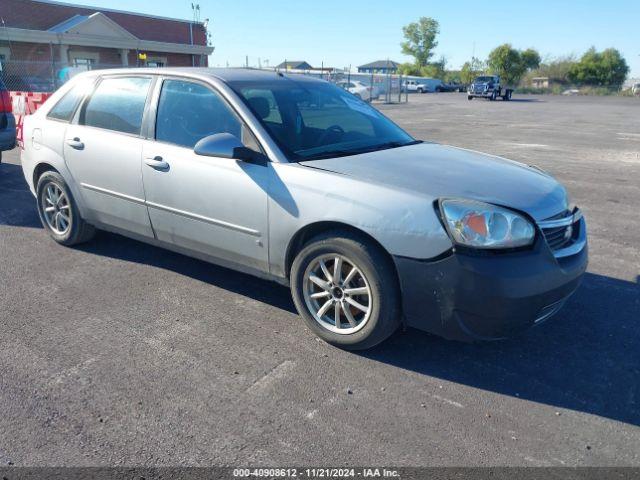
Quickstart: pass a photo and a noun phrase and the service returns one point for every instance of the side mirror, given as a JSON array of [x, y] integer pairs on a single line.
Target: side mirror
[[226, 145]]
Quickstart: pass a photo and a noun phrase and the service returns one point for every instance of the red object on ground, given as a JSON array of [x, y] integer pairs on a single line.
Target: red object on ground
[[25, 103]]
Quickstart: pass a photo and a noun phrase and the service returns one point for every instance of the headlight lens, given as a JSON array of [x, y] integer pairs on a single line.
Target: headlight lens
[[482, 225]]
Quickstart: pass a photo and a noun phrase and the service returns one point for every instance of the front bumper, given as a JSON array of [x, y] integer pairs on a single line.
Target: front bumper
[[482, 94], [491, 296]]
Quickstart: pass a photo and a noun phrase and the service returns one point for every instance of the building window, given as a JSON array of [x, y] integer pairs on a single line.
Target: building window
[[155, 61], [83, 63]]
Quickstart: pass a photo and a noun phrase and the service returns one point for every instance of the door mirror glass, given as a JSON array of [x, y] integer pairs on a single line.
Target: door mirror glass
[[224, 145]]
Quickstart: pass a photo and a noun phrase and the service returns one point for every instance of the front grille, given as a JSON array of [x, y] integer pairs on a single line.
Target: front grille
[[558, 237], [561, 236]]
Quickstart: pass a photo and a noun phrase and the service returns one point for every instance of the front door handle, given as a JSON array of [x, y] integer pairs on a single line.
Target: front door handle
[[75, 143], [156, 162]]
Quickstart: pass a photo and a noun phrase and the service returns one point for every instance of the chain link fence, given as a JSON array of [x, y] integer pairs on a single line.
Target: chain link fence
[[46, 77], [38, 76], [385, 88]]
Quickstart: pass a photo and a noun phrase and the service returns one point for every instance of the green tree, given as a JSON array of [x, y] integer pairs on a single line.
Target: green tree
[[409, 69], [604, 69], [421, 40], [556, 69], [470, 70], [434, 69], [507, 62], [531, 58]]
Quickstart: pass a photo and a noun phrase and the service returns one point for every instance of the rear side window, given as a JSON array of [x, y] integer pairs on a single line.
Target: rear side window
[[66, 106], [118, 104], [188, 112]]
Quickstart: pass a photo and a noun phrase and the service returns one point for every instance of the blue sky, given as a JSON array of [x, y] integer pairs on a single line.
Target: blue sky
[[352, 32]]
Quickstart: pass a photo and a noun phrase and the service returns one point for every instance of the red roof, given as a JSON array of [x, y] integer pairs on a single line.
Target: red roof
[[42, 15]]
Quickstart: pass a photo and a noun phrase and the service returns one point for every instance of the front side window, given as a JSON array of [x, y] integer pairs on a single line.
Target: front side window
[[312, 120], [188, 112], [118, 104]]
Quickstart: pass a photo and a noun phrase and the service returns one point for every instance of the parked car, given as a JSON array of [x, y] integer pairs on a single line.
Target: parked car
[[293, 179], [7, 121], [636, 89], [489, 87], [450, 87], [359, 89], [414, 86]]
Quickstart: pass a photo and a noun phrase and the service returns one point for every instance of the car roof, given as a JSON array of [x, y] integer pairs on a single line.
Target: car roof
[[223, 74]]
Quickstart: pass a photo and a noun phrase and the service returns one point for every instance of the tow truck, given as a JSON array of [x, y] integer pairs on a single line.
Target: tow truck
[[489, 86]]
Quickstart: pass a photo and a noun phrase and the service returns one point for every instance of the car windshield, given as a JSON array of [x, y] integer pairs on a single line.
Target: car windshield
[[312, 120], [484, 79]]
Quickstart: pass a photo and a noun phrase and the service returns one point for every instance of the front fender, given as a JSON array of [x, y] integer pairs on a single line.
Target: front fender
[[404, 223]]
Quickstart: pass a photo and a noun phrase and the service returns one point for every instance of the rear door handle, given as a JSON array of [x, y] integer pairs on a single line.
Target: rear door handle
[[156, 162], [75, 143]]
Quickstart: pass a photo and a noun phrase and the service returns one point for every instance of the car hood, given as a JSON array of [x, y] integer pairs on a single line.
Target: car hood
[[439, 171]]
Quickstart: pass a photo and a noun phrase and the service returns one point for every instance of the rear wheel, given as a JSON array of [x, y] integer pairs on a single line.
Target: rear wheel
[[58, 211], [345, 289], [469, 97]]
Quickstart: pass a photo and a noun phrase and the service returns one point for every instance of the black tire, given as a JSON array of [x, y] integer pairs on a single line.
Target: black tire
[[493, 96], [469, 97], [380, 275], [79, 231]]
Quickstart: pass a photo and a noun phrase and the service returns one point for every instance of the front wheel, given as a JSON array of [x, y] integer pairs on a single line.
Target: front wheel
[[58, 211], [346, 290], [469, 97]]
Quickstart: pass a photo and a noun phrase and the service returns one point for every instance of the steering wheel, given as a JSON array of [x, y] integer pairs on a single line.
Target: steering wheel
[[332, 130]]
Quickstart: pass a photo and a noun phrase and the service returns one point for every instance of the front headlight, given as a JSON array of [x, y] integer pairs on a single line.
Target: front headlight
[[482, 225]]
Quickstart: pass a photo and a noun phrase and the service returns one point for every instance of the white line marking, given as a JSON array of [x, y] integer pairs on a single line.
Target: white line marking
[[273, 376], [446, 400], [72, 371]]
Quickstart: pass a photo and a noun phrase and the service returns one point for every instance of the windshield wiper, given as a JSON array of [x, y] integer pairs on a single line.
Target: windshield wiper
[[357, 151]]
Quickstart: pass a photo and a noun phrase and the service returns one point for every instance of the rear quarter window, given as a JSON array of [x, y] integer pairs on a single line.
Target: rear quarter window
[[67, 105]]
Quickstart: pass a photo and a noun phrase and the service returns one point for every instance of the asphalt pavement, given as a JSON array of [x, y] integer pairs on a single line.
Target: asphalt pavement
[[119, 353]]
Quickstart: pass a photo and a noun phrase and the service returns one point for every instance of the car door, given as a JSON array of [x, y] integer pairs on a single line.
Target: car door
[[103, 151], [215, 206]]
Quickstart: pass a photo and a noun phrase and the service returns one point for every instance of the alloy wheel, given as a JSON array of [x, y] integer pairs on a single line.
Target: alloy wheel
[[56, 208], [337, 294]]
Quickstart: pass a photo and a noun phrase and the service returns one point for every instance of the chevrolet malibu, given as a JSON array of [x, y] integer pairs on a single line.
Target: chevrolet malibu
[[295, 180]]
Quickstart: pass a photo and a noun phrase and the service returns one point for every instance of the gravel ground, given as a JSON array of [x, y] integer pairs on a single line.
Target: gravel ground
[[118, 353]]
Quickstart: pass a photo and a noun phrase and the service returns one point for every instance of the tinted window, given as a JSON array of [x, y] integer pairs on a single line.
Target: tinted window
[[188, 112], [118, 104], [317, 119], [66, 106], [263, 104]]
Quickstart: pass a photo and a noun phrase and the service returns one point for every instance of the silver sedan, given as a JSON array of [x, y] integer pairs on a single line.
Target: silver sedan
[[296, 180]]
